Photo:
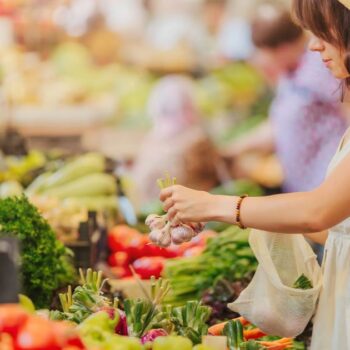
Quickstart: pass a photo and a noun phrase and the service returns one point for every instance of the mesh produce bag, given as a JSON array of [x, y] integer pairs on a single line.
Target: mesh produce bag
[[270, 302]]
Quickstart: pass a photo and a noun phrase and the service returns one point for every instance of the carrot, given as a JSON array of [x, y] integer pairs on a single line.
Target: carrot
[[218, 328], [279, 344], [255, 333]]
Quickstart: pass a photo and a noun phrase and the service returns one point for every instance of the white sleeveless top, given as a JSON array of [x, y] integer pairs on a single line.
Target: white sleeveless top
[[332, 320]]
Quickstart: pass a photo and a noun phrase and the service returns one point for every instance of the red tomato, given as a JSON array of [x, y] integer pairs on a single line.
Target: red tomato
[[119, 259], [37, 334], [149, 266], [12, 317]]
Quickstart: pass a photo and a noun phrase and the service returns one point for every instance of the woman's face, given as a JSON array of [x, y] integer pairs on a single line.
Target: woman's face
[[332, 57]]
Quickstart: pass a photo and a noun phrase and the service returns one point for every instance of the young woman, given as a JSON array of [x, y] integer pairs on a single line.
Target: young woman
[[325, 210]]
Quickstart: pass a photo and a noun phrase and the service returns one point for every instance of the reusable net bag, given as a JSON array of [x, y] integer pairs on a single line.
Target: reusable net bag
[[270, 302]]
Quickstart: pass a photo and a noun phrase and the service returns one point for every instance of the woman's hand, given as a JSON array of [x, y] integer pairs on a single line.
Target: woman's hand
[[186, 205]]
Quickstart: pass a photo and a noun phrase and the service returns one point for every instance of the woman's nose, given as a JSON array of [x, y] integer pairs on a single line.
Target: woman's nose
[[316, 44]]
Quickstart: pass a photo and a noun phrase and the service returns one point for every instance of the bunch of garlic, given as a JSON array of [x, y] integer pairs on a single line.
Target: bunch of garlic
[[163, 232]]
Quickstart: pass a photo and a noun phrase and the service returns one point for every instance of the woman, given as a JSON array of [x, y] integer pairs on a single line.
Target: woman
[[325, 209]]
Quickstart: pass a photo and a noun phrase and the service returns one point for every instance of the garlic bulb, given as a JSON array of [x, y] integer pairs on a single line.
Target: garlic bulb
[[156, 222], [161, 238], [181, 234], [163, 233], [165, 240], [155, 236]]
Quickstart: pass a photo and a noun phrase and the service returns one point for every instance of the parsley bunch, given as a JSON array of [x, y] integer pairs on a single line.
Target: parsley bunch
[[45, 264]]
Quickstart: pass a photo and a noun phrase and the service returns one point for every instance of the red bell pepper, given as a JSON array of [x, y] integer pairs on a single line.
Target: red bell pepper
[[119, 236], [149, 266], [123, 238]]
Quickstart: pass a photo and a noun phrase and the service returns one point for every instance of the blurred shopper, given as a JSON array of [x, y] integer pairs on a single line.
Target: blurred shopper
[[177, 143], [306, 121]]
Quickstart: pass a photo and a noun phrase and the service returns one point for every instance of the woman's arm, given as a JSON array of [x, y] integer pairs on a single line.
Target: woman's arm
[[304, 212], [319, 237]]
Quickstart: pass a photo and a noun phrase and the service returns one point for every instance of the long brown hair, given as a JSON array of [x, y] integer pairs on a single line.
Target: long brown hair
[[328, 20]]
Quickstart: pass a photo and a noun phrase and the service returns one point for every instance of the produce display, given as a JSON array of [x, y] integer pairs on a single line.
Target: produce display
[[22, 330], [81, 181], [19, 169], [130, 247], [45, 261], [185, 274], [226, 256], [90, 320]]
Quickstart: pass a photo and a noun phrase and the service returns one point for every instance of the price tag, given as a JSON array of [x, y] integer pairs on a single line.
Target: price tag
[[9, 267]]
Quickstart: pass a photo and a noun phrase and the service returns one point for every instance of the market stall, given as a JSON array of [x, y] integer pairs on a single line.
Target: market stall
[[93, 266]]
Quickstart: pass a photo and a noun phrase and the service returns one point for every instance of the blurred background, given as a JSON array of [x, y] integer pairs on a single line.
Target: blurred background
[[100, 98]]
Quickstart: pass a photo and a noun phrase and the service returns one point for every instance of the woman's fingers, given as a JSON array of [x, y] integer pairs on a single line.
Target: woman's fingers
[[166, 193], [172, 213], [176, 221], [168, 204]]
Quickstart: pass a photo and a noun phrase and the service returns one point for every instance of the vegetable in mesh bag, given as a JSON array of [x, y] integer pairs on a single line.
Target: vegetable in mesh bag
[[270, 301], [303, 283]]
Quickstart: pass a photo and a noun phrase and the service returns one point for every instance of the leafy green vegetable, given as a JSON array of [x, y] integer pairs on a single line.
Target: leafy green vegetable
[[45, 261], [86, 299], [190, 320], [145, 314], [303, 283], [226, 256], [233, 330]]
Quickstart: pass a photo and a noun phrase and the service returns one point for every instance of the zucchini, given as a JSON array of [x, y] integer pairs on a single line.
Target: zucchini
[[87, 186], [89, 163]]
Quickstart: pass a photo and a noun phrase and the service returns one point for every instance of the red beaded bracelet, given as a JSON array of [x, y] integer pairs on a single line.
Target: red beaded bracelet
[[238, 212]]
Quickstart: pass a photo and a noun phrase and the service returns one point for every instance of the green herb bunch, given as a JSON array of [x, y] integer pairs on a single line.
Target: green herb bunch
[[45, 263]]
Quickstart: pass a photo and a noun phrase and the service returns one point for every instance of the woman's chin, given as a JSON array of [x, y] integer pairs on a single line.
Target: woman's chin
[[340, 74]]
